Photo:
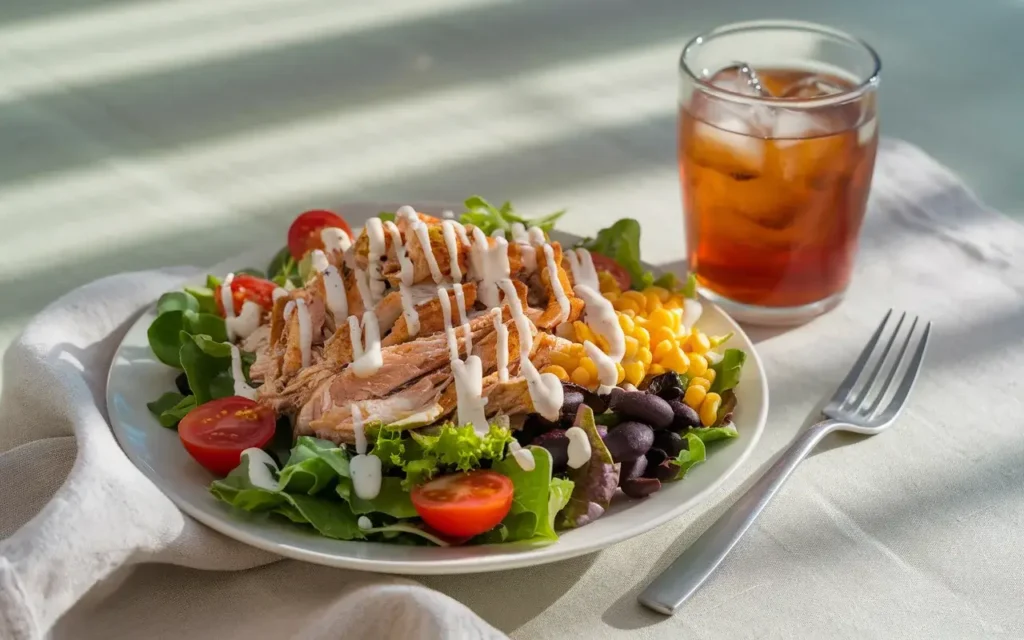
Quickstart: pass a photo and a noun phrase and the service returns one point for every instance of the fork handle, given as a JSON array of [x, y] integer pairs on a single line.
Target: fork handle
[[689, 571]]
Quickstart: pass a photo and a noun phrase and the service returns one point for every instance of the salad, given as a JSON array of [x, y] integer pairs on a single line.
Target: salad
[[454, 380]]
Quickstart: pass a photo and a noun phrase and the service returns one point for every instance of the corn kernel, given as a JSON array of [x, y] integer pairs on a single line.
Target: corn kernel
[[637, 298], [610, 296], [601, 343], [631, 348], [629, 313], [589, 365], [563, 360], [698, 365], [673, 303], [576, 350], [709, 409], [701, 382], [644, 355], [656, 370], [661, 318], [620, 373], [662, 348], [662, 293], [581, 377], [694, 396], [662, 334], [607, 282], [625, 304], [627, 324], [676, 360], [653, 303], [583, 332], [635, 372], [710, 374], [559, 372], [699, 342], [643, 337]]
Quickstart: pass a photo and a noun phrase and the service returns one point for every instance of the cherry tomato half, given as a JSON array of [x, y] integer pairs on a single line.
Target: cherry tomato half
[[216, 433], [245, 287], [304, 234], [464, 504], [604, 263]]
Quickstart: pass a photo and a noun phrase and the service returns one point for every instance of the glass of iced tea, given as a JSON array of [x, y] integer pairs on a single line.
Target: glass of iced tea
[[777, 139]]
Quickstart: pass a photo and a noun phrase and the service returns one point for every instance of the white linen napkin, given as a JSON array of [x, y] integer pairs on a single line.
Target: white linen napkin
[[75, 511]]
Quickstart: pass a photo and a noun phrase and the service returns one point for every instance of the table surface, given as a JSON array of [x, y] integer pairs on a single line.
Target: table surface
[[142, 134]]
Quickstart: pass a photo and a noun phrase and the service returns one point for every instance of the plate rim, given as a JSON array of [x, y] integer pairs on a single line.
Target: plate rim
[[530, 555]]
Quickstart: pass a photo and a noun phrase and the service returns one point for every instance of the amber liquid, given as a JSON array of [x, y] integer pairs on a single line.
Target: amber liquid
[[772, 217]]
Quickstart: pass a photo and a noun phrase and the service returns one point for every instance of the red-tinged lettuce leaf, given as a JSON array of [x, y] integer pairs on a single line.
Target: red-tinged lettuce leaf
[[594, 483]]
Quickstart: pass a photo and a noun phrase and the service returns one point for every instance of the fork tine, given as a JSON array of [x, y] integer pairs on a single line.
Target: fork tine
[[851, 378], [909, 377], [892, 372], [866, 387]]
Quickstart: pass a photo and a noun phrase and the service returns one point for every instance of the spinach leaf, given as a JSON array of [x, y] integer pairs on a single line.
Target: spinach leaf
[[164, 337], [176, 301]]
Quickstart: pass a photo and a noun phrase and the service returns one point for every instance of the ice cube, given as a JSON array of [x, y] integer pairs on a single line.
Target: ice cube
[[740, 78], [812, 87], [727, 151], [790, 126]]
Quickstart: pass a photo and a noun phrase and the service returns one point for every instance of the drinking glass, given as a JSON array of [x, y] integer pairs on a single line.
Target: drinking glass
[[777, 138]]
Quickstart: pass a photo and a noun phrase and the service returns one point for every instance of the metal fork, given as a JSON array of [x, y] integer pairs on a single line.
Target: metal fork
[[855, 407]]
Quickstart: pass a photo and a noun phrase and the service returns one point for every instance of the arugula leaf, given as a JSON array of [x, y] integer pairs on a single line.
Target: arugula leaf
[[283, 269], [489, 218], [206, 323], [694, 454], [164, 337], [594, 483], [176, 301], [728, 369]]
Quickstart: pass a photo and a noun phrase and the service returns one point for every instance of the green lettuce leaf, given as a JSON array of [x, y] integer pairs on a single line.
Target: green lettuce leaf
[[728, 369], [536, 498], [205, 297], [710, 434], [489, 218], [176, 301], [621, 242], [689, 288], [393, 499], [330, 518], [462, 448], [594, 483], [694, 454], [283, 269], [386, 216], [164, 337], [171, 407]]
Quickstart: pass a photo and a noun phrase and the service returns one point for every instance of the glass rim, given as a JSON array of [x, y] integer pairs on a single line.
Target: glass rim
[[850, 95]]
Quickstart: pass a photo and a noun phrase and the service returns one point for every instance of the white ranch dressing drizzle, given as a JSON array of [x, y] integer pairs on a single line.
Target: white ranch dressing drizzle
[[364, 469], [377, 247], [336, 297], [460, 304], [583, 271], [259, 474], [364, 523], [545, 388], [469, 381], [498, 233], [607, 373], [535, 235], [247, 321], [579, 447], [523, 457], [318, 260], [600, 316], [227, 301], [366, 353], [519, 233], [492, 266], [412, 318], [451, 242], [423, 235], [501, 345], [692, 310], [556, 283], [289, 309], [449, 333], [242, 388], [305, 331], [279, 293], [406, 273], [363, 285], [335, 240]]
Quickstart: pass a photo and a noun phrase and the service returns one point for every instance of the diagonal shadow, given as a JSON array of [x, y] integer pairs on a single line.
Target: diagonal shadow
[[12, 11]]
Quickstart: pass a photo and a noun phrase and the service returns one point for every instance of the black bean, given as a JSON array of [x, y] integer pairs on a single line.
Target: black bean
[[629, 441], [666, 471], [644, 407], [182, 383], [634, 469], [667, 386], [571, 401], [684, 416], [670, 442], [598, 403], [655, 456], [557, 444], [640, 487]]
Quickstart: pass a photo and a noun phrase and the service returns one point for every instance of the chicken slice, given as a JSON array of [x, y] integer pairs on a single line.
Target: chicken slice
[[552, 315], [431, 316]]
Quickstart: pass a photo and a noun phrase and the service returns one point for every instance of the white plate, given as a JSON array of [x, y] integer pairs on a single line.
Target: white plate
[[136, 377]]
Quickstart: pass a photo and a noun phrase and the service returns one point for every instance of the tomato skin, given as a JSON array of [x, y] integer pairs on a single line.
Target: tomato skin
[[216, 433], [462, 505], [245, 287], [304, 234], [604, 263]]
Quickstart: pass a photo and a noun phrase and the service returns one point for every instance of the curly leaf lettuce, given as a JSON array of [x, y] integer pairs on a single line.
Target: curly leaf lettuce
[[728, 370], [695, 453]]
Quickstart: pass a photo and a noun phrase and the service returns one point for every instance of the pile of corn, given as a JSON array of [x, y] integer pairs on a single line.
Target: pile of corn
[[656, 342]]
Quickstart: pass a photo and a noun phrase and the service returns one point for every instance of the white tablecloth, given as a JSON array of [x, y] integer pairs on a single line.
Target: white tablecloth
[[913, 533]]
